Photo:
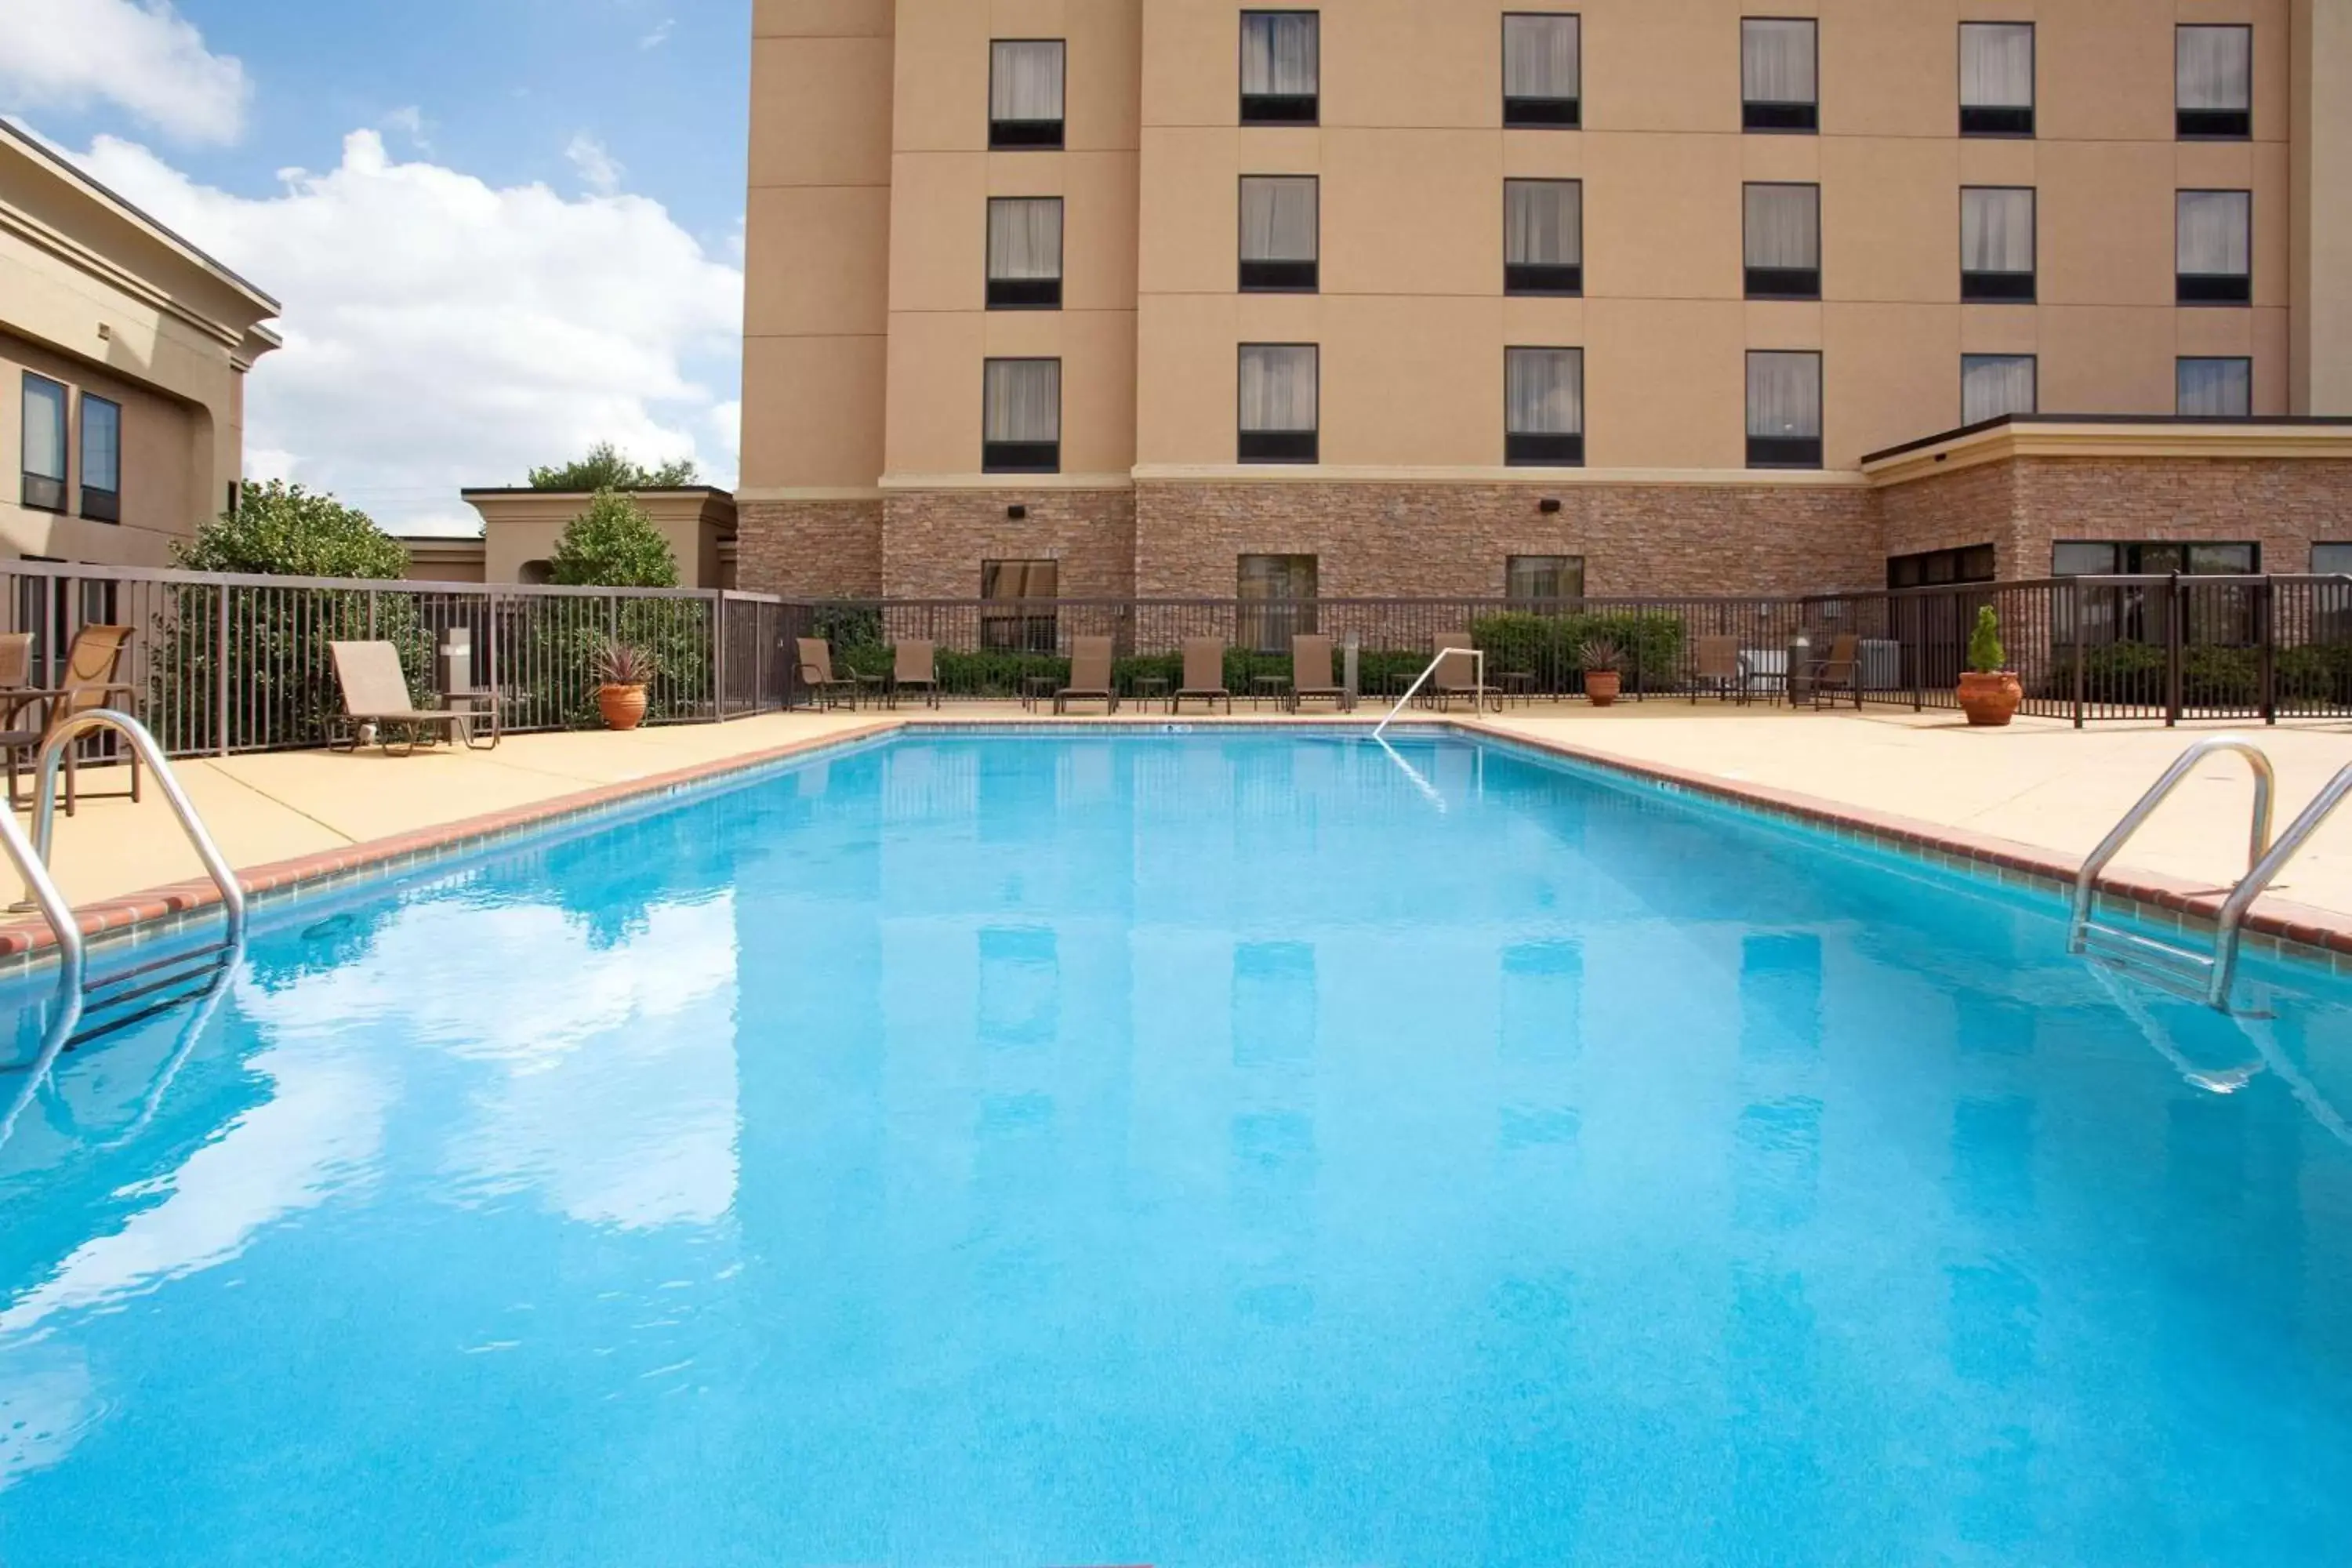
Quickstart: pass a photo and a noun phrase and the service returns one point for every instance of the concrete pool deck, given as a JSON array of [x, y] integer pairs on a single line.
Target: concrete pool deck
[[2039, 788]]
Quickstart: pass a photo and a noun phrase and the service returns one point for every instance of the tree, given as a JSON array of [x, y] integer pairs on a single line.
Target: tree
[[613, 545], [605, 469], [285, 531], [1986, 655]]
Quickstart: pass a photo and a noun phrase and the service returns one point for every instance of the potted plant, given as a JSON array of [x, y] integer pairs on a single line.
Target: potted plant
[[1603, 661], [1988, 692], [622, 670]]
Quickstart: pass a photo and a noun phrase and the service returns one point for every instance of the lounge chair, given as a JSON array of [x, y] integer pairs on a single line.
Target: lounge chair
[[1840, 672], [1310, 673], [1456, 676], [914, 667], [1723, 669], [15, 663], [814, 670], [1089, 676], [376, 692], [1204, 675], [91, 662]]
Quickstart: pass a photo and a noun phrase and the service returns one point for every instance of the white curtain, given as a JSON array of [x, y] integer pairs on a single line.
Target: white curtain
[[1280, 51], [1784, 227], [1279, 220], [2215, 237], [1997, 65], [1543, 223], [1023, 400], [1024, 79], [1995, 384], [2213, 68], [1540, 56], [44, 428], [101, 444], [1278, 388], [2216, 388], [1024, 237], [1543, 392], [1996, 229], [1784, 396], [1776, 61]]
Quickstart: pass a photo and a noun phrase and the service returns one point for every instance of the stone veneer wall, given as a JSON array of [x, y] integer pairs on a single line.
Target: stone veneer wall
[[811, 549], [1379, 540], [933, 541], [1953, 511]]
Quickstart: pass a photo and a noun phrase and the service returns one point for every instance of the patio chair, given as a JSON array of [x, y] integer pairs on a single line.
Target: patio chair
[[814, 670], [1456, 674], [1204, 675], [376, 692], [1723, 669], [1311, 672], [1841, 671], [92, 659], [1089, 676], [15, 662], [914, 665]]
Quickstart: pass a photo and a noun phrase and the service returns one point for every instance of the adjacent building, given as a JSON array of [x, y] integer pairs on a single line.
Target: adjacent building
[[123, 353], [1183, 297]]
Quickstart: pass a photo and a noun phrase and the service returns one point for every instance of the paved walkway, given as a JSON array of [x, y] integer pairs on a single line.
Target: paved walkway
[[2038, 783]]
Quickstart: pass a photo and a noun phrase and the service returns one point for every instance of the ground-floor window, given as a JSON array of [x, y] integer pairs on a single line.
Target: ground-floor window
[[1018, 613], [2086, 558], [1278, 600], [1543, 582], [2219, 614], [1935, 568]]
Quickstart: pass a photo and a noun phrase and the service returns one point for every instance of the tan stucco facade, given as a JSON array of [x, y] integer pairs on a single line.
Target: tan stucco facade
[[521, 526], [98, 299], [867, 323]]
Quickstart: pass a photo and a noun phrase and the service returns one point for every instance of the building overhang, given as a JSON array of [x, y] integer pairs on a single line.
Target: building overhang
[[2131, 437], [706, 505]]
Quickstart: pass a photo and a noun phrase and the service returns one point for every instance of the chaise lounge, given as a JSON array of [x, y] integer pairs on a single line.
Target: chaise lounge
[[1089, 676], [1204, 675], [376, 692]]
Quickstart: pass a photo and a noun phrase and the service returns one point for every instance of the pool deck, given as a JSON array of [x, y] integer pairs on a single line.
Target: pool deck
[[2038, 794]]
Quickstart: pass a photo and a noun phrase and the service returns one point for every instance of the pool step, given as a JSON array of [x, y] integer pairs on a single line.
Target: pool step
[[2179, 970], [161, 985]]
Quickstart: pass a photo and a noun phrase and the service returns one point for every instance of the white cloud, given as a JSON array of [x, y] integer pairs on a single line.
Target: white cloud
[[599, 170], [410, 122], [659, 36], [441, 331], [143, 57]]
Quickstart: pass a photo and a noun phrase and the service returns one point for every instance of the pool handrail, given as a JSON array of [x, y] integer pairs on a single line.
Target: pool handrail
[[1477, 656], [2087, 880], [2264, 872]]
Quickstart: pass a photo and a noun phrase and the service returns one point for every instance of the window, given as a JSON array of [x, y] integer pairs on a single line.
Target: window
[[1543, 407], [2332, 559], [1281, 67], [1027, 589], [2213, 236], [1543, 236], [45, 444], [2214, 388], [1279, 388], [1996, 79], [1021, 420], [2213, 82], [1778, 74], [1543, 72], [1783, 242], [1997, 245], [1995, 384], [1024, 93], [1024, 253], [1281, 223], [1278, 601], [1936, 568], [2086, 558], [1531, 580], [101, 460], [1784, 410]]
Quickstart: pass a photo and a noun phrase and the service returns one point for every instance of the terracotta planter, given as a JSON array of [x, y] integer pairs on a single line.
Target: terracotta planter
[[624, 707], [1990, 697], [1603, 686]]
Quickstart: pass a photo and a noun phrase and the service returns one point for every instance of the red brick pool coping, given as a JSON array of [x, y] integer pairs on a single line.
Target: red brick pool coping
[[2323, 935]]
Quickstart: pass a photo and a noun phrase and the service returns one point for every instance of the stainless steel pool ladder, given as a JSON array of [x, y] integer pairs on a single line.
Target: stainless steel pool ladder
[[1477, 656], [2203, 977]]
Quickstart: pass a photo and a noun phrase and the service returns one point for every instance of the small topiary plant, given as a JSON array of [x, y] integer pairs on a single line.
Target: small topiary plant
[[1986, 655]]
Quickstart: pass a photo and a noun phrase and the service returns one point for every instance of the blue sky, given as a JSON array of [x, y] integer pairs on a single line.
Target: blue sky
[[500, 228]]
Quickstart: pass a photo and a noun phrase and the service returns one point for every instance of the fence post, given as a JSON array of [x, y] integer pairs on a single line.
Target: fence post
[[220, 678], [2266, 619], [2176, 601], [2075, 623], [717, 654]]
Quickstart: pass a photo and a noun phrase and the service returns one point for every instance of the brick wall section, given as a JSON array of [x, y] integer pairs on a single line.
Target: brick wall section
[[1380, 540], [1953, 511], [822, 549], [2281, 503], [933, 541]]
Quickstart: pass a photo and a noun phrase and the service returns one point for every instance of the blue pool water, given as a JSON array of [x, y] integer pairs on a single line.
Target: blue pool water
[[1202, 1150]]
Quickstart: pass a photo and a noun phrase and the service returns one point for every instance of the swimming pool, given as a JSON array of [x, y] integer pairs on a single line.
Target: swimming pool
[[1215, 1148]]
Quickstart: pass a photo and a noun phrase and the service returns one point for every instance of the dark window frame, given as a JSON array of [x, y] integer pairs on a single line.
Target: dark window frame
[[44, 492], [1278, 277], [1542, 113], [2213, 124], [100, 503], [1543, 448], [1792, 452], [1568, 564], [1028, 135], [2033, 358], [1770, 117], [1026, 293], [2001, 122], [2246, 360], [1537, 280], [2002, 288], [1279, 109], [1020, 629], [1299, 447], [2224, 290], [1781, 282], [1020, 456], [1967, 563]]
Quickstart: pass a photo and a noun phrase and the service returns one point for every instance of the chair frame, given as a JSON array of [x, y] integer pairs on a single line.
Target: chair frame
[[1105, 694], [60, 702], [1208, 695], [824, 687]]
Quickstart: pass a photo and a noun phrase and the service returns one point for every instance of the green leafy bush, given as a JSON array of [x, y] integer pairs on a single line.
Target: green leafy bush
[[613, 545], [284, 531], [606, 468], [1986, 655], [1549, 647]]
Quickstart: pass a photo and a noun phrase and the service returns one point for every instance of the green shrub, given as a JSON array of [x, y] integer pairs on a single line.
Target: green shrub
[[613, 545], [1986, 655], [1550, 647]]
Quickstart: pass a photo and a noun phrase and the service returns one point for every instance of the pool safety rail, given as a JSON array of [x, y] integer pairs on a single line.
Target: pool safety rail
[[2204, 977], [1478, 658]]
